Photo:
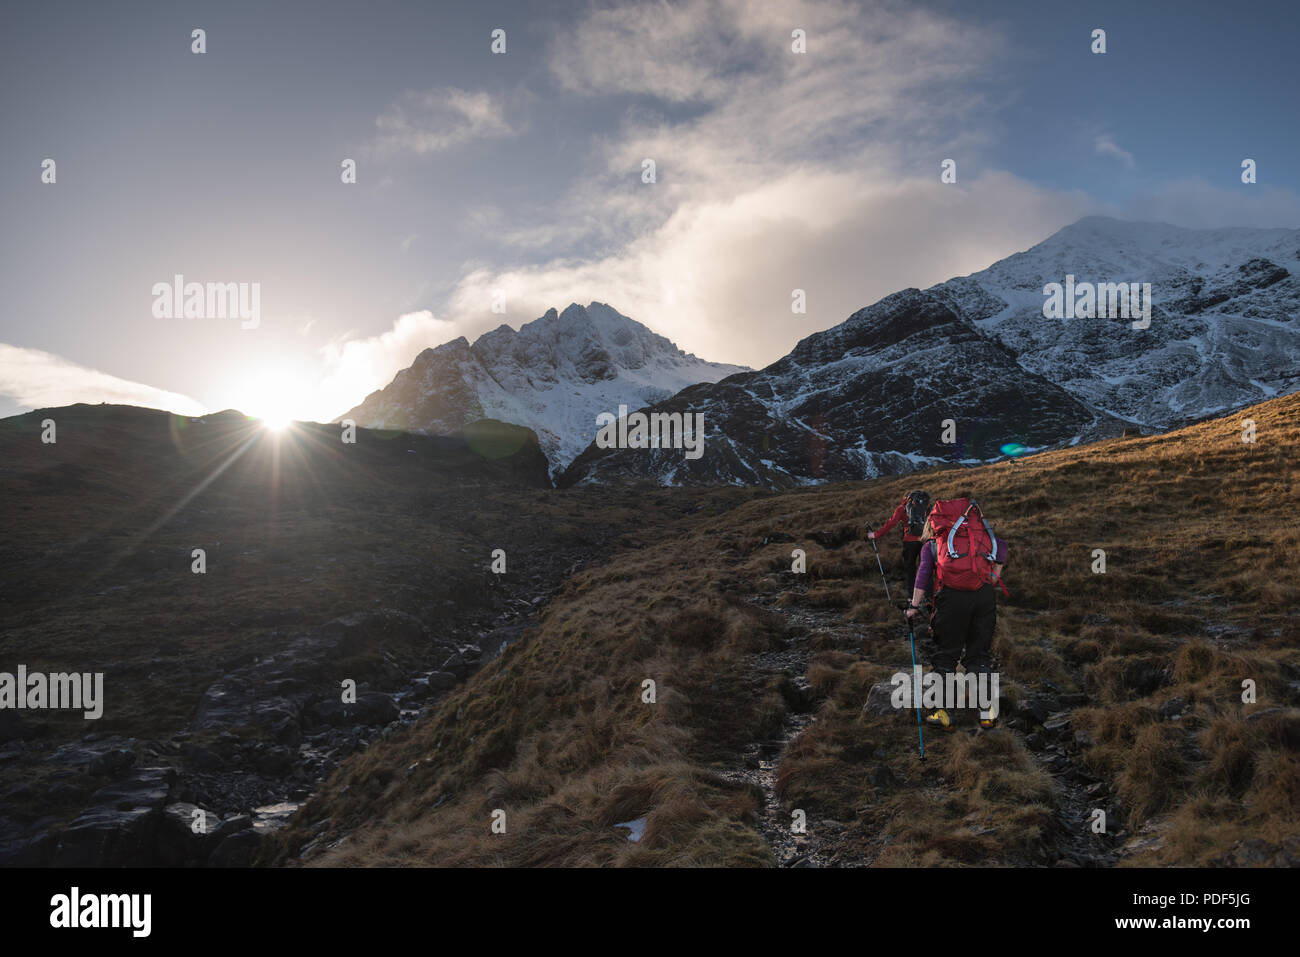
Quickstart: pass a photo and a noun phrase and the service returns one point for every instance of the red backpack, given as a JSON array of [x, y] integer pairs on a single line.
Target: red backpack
[[965, 546]]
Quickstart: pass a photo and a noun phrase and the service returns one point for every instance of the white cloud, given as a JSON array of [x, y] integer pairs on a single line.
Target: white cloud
[[881, 85], [1197, 204], [776, 171], [431, 121], [39, 380], [717, 277], [1107, 146], [676, 52], [353, 368]]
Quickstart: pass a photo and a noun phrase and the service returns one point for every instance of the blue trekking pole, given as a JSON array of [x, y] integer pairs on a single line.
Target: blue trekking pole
[[920, 734]]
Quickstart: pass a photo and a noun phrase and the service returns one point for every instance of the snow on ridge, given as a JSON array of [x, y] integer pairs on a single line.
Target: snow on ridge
[[1224, 304], [554, 375]]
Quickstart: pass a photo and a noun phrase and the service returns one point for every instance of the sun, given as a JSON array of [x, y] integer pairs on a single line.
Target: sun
[[274, 400], [275, 412]]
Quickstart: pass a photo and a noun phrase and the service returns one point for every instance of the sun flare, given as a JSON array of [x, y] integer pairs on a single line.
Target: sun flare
[[276, 401]]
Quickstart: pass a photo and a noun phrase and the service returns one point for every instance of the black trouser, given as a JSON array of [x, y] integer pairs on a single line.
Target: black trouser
[[911, 557], [963, 623]]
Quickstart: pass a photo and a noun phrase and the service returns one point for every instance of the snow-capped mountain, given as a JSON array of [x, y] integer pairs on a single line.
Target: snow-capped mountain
[[554, 375], [870, 395], [1223, 333]]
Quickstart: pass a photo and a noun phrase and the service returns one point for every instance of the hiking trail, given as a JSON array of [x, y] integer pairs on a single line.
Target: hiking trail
[[821, 844], [1043, 729]]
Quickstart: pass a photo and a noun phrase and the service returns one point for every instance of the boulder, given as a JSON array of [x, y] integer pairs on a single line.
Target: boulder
[[274, 816], [142, 787], [1058, 723], [371, 707], [1038, 707], [186, 838], [120, 826], [237, 850], [227, 703], [879, 699], [356, 633], [457, 665], [440, 681], [103, 757], [26, 847], [274, 761], [201, 759]]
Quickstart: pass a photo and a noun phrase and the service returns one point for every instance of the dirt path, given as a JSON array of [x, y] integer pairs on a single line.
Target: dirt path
[[1079, 793], [819, 845], [1071, 843]]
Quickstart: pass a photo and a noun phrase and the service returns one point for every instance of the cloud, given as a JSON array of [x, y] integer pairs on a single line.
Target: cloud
[[1106, 146], [39, 380], [353, 368], [718, 277], [1197, 204], [776, 171], [676, 52], [431, 121], [405, 244], [740, 109]]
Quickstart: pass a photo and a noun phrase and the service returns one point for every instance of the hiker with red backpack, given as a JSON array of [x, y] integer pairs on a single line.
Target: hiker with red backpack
[[912, 512], [961, 562]]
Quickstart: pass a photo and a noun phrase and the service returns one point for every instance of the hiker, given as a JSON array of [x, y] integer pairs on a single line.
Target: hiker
[[923, 584], [961, 562], [912, 511]]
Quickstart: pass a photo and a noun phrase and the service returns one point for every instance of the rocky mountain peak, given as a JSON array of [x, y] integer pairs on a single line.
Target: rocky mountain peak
[[554, 375], [869, 396]]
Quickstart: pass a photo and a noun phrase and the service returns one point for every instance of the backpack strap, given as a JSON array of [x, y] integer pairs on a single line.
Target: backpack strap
[[952, 532], [993, 540], [952, 551], [1003, 585]]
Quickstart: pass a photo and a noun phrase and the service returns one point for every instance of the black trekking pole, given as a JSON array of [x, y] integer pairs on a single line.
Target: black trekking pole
[[882, 570], [916, 690]]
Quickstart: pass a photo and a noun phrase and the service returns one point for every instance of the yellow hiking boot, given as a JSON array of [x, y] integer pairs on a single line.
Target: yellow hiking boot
[[989, 718], [939, 720]]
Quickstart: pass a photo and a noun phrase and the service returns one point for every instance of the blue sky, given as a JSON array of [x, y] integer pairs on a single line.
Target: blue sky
[[520, 173]]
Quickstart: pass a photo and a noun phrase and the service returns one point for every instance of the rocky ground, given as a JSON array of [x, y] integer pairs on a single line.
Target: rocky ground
[[1041, 721], [261, 737], [224, 704]]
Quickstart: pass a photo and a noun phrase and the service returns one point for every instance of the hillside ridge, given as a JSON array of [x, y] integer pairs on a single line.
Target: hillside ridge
[[1122, 690]]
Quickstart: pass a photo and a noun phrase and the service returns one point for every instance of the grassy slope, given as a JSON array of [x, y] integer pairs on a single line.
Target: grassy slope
[[1200, 531]]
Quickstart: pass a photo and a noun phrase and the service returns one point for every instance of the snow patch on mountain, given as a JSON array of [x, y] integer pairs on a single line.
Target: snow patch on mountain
[[554, 375], [1223, 330], [866, 397]]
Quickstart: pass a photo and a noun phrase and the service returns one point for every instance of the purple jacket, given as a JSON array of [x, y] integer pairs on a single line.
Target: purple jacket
[[930, 561]]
